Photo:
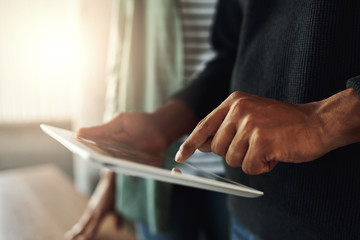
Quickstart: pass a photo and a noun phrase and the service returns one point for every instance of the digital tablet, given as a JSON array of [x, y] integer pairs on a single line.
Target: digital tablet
[[125, 159]]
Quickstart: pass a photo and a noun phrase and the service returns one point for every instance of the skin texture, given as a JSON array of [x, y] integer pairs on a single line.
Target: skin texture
[[256, 133]]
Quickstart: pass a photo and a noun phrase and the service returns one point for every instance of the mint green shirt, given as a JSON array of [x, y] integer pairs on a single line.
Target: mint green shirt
[[145, 67]]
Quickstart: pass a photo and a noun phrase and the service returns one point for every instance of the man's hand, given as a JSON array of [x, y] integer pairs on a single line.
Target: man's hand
[[256, 133]]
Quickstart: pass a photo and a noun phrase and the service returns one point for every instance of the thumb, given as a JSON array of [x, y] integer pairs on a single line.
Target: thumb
[[95, 131]]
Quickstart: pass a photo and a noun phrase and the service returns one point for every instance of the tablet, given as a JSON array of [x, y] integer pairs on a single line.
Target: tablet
[[127, 160]]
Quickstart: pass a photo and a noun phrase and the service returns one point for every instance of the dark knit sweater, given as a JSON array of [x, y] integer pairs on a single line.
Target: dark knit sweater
[[298, 52]]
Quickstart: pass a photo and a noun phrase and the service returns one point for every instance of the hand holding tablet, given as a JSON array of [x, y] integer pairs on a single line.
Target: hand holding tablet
[[126, 159]]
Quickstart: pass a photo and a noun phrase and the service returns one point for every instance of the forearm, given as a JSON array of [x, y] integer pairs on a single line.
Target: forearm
[[340, 118], [174, 119]]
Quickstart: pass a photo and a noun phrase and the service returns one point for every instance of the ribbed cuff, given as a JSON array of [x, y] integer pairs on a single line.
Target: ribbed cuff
[[354, 83]]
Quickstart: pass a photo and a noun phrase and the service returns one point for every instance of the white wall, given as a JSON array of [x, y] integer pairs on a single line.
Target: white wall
[[52, 60], [93, 17]]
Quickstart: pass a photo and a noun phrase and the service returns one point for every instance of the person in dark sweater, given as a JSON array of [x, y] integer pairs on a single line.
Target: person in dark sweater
[[280, 102]]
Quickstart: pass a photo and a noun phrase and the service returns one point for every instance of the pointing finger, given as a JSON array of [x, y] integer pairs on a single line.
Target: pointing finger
[[203, 131]]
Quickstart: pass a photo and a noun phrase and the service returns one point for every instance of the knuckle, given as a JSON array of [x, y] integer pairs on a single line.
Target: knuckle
[[260, 139], [242, 106], [284, 156], [233, 159], [235, 95], [249, 121], [242, 102], [203, 125], [250, 168]]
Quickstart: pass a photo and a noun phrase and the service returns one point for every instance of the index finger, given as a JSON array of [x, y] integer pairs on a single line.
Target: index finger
[[207, 127], [203, 131]]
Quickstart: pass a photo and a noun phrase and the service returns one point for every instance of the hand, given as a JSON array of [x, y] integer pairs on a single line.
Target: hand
[[136, 129], [101, 203], [256, 133], [147, 131]]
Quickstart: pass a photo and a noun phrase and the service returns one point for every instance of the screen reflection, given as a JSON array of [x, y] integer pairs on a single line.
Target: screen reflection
[[124, 152]]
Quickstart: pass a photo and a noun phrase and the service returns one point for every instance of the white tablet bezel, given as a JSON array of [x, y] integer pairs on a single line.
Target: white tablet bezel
[[69, 140]]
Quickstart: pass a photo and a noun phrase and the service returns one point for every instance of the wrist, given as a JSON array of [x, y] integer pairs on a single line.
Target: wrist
[[340, 119]]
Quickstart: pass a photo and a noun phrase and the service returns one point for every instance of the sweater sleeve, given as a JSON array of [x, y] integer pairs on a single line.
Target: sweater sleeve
[[354, 83], [211, 86]]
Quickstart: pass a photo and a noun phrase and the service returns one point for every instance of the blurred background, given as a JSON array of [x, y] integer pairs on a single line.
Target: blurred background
[[44, 48]]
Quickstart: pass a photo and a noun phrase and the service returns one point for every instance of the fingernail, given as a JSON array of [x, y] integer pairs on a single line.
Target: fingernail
[[175, 171], [178, 156]]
